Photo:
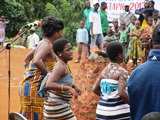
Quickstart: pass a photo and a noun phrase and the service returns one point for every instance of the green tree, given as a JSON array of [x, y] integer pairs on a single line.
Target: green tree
[[21, 12]]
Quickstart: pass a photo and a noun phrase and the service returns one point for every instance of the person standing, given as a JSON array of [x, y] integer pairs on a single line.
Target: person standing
[[124, 39], [146, 36], [60, 85], [42, 59], [104, 18], [135, 46], [125, 17], [116, 29], [2, 30], [144, 82], [82, 43], [86, 14], [140, 11], [111, 87], [96, 29], [32, 39]]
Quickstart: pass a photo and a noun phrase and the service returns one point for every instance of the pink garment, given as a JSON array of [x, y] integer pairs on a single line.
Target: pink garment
[[2, 31]]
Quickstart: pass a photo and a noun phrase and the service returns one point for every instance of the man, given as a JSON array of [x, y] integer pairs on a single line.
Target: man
[[144, 82], [126, 15], [96, 29], [86, 13], [32, 39], [147, 10], [104, 18]]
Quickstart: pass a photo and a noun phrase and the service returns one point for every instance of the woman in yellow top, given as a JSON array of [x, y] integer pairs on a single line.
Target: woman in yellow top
[[146, 35], [135, 49], [43, 60]]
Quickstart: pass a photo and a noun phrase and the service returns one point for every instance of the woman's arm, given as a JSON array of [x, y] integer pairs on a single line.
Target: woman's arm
[[96, 86], [41, 54], [122, 86], [58, 73], [29, 57]]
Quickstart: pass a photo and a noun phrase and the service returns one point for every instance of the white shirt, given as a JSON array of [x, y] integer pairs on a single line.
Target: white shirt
[[125, 17], [82, 36], [96, 21], [33, 40]]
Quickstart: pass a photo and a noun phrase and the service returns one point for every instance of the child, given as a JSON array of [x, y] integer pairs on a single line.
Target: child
[[135, 49], [116, 28], [146, 36], [109, 38], [82, 42], [124, 38]]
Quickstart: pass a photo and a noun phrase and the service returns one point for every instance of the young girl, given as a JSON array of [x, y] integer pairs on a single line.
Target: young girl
[[82, 43], [111, 87], [124, 38], [135, 47], [146, 36], [60, 86]]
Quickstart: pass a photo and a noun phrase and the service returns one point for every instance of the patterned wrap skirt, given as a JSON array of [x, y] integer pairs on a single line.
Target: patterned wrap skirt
[[57, 107], [31, 103]]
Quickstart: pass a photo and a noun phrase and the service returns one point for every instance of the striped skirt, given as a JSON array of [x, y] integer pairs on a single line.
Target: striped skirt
[[55, 109], [112, 109]]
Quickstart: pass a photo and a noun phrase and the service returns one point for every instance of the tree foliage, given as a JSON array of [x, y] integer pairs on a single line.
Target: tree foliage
[[21, 12]]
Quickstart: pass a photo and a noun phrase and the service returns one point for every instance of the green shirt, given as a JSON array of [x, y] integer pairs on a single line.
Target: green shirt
[[104, 21], [130, 27], [86, 14], [123, 37]]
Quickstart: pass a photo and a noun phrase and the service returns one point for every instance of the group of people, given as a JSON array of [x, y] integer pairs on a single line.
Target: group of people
[[132, 30], [49, 59], [48, 87]]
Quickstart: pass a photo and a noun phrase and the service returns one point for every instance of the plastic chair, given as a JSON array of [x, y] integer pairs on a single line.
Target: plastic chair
[[16, 116]]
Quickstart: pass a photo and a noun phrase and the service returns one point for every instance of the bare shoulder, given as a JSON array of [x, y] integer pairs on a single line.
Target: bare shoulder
[[59, 66], [44, 47]]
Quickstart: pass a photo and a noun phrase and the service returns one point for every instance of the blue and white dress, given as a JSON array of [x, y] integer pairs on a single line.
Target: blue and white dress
[[110, 105]]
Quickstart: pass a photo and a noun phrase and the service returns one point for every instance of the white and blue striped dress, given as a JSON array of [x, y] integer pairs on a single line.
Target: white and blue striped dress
[[110, 105], [57, 104]]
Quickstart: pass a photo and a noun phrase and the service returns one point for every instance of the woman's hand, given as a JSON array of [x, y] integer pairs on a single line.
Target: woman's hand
[[77, 89], [73, 92]]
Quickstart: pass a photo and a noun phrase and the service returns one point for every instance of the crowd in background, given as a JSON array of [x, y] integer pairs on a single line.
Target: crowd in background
[[132, 30]]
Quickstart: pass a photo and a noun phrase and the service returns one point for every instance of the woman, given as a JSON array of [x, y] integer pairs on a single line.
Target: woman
[[111, 87], [43, 60], [146, 36], [60, 85], [135, 45]]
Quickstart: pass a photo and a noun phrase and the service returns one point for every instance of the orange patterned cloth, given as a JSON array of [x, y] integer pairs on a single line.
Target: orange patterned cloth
[[31, 103]]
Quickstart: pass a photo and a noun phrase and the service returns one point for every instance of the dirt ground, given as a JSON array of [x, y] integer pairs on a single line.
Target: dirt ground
[[84, 106]]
